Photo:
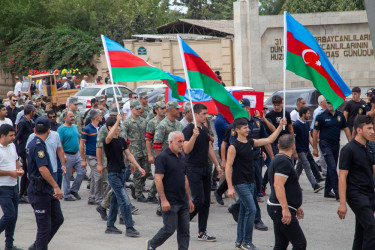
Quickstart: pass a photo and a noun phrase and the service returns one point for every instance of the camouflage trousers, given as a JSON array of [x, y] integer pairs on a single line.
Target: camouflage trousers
[[152, 193], [137, 178]]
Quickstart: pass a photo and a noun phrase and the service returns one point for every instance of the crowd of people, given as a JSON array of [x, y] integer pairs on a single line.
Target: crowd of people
[[41, 154]]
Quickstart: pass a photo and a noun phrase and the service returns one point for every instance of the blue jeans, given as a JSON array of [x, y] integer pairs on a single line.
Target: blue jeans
[[9, 205], [246, 216], [331, 155], [119, 198], [127, 173]]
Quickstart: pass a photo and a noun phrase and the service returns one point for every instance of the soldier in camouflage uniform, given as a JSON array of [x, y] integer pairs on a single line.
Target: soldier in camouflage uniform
[[143, 98], [135, 130], [103, 101], [73, 106], [167, 125], [160, 109], [39, 110]]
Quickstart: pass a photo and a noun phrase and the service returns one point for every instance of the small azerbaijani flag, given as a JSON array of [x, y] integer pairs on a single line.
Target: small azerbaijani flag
[[306, 58], [126, 67], [201, 76]]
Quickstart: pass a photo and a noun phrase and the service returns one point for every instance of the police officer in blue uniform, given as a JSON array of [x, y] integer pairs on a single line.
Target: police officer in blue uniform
[[43, 191], [257, 131], [329, 124], [367, 107]]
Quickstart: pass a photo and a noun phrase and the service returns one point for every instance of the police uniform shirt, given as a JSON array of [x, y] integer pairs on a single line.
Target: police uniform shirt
[[358, 160], [37, 157], [330, 126]]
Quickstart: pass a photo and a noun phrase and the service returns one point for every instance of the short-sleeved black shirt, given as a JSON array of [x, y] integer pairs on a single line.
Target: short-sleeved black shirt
[[174, 170], [283, 165], [114, 151], [352, 108], [358, 160], [243, 171], [275, 118], [330, 126], [199, 155]]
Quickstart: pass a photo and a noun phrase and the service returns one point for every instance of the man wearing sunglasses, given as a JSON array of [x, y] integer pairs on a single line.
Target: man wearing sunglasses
[[126, 108], [52, 119], [12, 109]]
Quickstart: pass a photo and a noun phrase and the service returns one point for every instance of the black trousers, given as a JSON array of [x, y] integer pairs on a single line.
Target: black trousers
[[176, 218], [363, 207], [200, 187], [48, 215], [286, 233], [24, 180]]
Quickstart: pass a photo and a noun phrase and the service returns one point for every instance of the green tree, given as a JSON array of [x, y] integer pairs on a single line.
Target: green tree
[[308, 6], [207, 9], [270, 7]]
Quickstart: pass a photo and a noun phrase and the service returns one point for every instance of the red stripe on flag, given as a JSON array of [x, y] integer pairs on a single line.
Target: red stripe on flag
[[297, 47], [224, 110], [125, 59], [195, 63]]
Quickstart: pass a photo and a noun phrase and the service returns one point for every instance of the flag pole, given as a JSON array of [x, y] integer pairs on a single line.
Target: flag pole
[[110, 70], [284, 66], [186, 76]]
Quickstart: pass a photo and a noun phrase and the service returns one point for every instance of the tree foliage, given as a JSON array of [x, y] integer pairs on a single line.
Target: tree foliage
[[49, 49], [270, 7], [207, 9], [308, 6]]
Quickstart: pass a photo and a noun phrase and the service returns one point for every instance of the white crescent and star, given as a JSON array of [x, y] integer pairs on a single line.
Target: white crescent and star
[[318, 63]]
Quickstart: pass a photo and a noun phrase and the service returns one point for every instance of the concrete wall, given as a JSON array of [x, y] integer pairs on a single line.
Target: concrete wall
[[344, 36]]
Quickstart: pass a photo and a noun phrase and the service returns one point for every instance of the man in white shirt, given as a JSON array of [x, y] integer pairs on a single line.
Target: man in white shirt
[[40, 87], [66, 84], [84, 82], [294, 115], [10, 170], [126, 108], [18, 87], [3, 114]]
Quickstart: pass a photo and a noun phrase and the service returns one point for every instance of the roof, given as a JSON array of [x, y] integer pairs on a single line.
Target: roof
[[219, 28], [172, 37]]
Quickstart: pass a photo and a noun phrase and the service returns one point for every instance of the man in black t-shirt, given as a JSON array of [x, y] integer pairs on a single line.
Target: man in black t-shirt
[[284, 203], [114, 147], [173, 188], [198, 148], [354, 107], [356, 185], [275, 116]]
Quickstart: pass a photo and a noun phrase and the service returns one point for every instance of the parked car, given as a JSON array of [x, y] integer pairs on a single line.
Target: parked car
[[150, 88], [291, 95], [238, 88], [85, 95]]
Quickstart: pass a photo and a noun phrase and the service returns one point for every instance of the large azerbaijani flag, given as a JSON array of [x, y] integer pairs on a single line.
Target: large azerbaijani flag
[[201, 76], [124, 66], [306, 58]]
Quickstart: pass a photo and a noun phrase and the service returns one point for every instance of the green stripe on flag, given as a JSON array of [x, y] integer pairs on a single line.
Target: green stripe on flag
[[143, 73], [296, 64], [217, 92]]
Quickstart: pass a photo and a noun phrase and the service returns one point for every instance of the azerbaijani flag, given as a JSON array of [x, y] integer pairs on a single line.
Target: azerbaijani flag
[[124, 66], [178, 86], [201, 76], [306, 58]]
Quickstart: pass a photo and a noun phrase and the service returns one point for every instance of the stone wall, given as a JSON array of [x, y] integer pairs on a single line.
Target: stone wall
[[344, 36]]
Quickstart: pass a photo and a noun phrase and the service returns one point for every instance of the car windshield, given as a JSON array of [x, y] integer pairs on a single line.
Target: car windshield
[[124, 92], [291, 96], [87, 92]]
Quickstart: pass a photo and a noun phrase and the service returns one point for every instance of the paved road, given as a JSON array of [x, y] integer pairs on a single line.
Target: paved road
[[83, 228]]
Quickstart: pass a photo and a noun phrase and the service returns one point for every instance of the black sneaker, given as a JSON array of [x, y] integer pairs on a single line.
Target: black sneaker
[[318, 188], [92, 202], [133, 209], [76, 195], [329, 195], [32, 247], [158, 212], [113, 230], [23, 199], [102, 211], [132, 232], [149, 247], [13, 248], [152, 200], [69, 198], [142, 198], [234, 213], [260, 226], [219, 199], [205, 237], [237, 245], [248, 246], [132, 188], [150, 177]]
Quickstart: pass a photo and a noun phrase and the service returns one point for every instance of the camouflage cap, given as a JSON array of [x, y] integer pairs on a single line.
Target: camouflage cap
[[113, 111], [161, 98], [143, 94], [73, 100], [173, 104], [30, 103], [119, 99], [36, 97], [135, 104], [100, 98], [159, 105]]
